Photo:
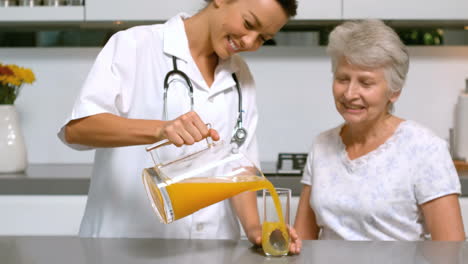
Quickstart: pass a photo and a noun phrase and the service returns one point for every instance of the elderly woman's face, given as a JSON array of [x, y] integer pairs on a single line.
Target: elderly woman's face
[[361, 94]]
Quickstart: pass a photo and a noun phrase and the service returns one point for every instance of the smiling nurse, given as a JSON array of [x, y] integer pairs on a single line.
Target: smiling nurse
[[121, 107]]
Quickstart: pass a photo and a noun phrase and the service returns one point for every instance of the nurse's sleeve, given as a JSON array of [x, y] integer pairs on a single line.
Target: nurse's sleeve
[[102, 91]]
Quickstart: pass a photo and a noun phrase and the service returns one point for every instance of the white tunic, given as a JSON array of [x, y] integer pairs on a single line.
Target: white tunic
[[127, 80], [378, 196]]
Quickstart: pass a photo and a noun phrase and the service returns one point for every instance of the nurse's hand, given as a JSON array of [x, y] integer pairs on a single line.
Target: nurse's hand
[[186, 130]]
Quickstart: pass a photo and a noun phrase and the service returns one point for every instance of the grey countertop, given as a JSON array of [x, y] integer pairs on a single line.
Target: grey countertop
[[71, 250], [73, 179]]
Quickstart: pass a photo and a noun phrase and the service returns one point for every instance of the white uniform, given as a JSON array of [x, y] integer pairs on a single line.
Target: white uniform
[[127, 80]]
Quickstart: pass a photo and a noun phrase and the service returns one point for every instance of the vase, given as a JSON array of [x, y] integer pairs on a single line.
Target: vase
[[13, 156]]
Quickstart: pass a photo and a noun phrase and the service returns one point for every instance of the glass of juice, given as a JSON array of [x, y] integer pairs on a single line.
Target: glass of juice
[[275, 221]]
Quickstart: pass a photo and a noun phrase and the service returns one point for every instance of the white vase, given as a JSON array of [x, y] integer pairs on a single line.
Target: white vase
[[13, 156]]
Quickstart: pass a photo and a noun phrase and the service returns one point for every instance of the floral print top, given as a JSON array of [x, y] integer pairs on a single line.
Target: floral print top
[[378, 196]]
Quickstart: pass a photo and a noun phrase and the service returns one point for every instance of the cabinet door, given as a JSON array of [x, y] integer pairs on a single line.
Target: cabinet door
[[139, 10], [318, 9], [406, 9]]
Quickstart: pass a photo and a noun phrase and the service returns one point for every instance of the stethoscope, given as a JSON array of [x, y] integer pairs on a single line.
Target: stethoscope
[[240, 133]]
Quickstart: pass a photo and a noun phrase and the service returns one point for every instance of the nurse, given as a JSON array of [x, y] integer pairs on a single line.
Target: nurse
[[120, 110]]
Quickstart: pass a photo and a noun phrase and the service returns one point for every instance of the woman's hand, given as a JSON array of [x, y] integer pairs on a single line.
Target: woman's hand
[[296, 243], [186, 130], [255, 235]]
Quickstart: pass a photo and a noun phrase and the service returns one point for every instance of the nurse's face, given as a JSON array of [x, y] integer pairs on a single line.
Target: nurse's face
[[244, 25], [361, 94]]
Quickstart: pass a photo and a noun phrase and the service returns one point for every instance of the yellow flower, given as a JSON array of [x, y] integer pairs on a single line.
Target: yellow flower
[[12, 78], [20, 75]]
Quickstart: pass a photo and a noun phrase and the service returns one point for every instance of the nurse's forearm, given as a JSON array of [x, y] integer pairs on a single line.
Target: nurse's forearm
[[245, 205], [108, 130]]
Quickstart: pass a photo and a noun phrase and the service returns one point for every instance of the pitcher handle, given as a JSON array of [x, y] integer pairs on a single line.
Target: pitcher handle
[[166, 142]]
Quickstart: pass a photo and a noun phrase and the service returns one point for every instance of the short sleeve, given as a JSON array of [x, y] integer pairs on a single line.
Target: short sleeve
[[307, 175], [437, 175], [102, 90]]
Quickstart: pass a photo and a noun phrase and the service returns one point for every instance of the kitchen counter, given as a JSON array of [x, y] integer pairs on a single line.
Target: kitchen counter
[[73, 179], [71, 250]]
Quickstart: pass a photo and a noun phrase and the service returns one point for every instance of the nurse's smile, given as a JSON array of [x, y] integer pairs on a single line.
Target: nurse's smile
[[231, 45]]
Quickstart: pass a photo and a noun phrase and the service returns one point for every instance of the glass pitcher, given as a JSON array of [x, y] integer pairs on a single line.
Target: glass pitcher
[[183, 186]]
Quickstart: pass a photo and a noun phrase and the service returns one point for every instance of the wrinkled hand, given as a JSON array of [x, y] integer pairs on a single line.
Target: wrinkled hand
[[187, 129]]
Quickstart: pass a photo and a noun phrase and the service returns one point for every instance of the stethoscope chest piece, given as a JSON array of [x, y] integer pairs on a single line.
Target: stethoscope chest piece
[[239, 136]]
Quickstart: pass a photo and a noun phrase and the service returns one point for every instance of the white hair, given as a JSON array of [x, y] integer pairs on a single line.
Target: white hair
[[371, 44]]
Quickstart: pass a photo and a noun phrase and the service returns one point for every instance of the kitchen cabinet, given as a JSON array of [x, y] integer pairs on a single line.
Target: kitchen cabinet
[[42, 14], [151, 10], [35, 215], [406, 10], [59, 215], [318, 10], [139, 10]]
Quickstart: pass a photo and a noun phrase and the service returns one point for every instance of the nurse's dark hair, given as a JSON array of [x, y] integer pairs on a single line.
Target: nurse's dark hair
[[289, 6]]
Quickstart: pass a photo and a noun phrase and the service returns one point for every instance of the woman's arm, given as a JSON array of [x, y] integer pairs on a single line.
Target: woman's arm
[[305, 223], [443, 218], [108, 130]]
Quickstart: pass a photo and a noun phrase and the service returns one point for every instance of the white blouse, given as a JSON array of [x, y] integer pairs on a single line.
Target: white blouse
[[378, 196]]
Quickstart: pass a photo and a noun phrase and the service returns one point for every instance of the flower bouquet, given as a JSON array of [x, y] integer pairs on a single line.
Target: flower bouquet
[[12, 77]]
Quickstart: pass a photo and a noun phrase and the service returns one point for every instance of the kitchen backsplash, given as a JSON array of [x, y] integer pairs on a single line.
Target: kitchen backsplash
[[294, 95]]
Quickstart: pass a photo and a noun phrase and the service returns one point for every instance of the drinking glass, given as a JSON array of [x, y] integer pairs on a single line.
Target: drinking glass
[[275, 222]]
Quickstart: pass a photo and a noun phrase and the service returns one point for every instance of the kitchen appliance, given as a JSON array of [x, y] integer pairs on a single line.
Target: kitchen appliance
[[461, 125], [30, 3], [7, 3], [180, 187], [75, 2], [291, 164], [54, 2]]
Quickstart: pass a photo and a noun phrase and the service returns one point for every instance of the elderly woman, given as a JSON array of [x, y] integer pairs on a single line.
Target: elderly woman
[[377, 176]]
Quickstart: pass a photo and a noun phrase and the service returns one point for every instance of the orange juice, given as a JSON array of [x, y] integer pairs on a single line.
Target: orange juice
[[275, 236], [194, 194], [275, 239]]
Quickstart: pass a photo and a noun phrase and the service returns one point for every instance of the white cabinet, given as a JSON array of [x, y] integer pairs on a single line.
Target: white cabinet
[[36, 215], [318, 9], [406, 10], [159, 10], [42, 14], [59, 215], [139, 10]]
